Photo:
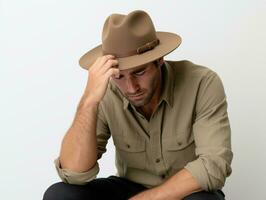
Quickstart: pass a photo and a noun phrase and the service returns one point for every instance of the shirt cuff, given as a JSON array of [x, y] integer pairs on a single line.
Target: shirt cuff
[[206, 181], [76, 178]]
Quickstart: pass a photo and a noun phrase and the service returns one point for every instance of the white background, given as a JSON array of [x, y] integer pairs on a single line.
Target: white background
[[41, 82]]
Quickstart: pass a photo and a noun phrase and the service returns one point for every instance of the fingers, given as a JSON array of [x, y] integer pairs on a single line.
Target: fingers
[[103, 65], [100, 61], [109, 64], [106, 62], [112, 72], [99, 75]]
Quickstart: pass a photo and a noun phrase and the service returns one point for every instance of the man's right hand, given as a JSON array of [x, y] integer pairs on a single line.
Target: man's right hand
[[98, 78]]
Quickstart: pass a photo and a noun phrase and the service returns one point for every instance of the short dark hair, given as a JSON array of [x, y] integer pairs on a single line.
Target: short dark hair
[[156, 62]]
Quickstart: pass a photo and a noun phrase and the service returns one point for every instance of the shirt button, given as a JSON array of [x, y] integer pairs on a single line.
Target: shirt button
[[128, 146], [179, 143], [163, 176], [157, 160]]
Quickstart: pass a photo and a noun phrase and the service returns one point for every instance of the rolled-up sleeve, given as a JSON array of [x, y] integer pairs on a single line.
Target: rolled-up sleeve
[[81, 178], [77, 178], [212, 135]]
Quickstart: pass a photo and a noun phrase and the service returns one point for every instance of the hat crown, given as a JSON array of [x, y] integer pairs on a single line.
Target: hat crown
[[123, 34]]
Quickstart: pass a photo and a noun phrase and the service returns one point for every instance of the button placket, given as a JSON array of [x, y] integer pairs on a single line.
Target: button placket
[[156, 149], [155, 136]]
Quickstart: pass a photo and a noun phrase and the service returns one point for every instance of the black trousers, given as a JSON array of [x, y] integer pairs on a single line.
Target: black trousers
[[113, 187]]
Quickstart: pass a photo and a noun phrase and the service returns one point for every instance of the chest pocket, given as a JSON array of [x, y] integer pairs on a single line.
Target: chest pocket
[[132, 150], [179, 149]]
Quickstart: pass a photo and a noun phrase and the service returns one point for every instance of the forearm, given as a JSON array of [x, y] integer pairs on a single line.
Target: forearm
[[176, 187], [79, 146], [179, 186]]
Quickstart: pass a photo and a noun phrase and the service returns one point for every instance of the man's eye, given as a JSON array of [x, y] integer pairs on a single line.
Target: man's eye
[[140, 73]]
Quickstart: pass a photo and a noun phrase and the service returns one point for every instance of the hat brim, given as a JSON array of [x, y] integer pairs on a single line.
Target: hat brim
[[168, 43]]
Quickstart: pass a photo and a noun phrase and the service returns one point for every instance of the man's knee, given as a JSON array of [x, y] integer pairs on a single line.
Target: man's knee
[[64, 191], [59, 191]]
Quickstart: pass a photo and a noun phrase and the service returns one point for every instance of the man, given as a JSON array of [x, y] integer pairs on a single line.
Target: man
[[168, 121]]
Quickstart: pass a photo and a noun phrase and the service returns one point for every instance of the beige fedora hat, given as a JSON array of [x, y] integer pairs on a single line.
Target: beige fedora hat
[[133, 40]]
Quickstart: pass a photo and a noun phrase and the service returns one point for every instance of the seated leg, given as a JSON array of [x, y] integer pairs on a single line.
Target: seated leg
[[101, 188], [204, 195], [64, 191]]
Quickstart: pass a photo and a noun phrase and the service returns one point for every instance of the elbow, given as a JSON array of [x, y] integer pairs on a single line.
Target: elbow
[[77, 165], [74, 177]]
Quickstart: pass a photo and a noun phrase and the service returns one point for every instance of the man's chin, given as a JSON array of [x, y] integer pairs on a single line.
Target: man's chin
[[138, 103]]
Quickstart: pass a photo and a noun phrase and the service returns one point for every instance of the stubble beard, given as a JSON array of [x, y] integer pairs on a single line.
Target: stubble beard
[[142, 102]]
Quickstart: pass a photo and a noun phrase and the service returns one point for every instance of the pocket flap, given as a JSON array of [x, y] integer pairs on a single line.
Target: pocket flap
[[178, 143], [136, 145]]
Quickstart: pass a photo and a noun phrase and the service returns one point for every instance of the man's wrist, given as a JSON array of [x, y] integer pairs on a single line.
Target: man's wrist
[[87, 102]]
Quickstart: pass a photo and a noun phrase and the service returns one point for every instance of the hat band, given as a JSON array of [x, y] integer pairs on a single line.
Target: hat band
[[146, 47]]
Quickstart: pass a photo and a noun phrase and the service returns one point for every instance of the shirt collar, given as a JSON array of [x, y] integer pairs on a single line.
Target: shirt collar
[[168, 86]]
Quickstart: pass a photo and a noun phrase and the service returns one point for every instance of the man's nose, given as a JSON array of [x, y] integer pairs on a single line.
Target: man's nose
[[132, 86]]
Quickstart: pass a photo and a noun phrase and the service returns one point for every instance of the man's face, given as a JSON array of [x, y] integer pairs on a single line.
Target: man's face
[[139, 84]]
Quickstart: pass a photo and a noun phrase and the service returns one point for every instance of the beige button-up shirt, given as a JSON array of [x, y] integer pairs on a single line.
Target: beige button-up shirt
[[189, 129]]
